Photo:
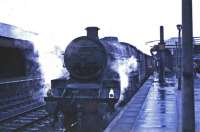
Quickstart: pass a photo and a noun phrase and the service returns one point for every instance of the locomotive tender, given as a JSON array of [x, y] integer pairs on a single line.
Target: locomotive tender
[[94, 87]]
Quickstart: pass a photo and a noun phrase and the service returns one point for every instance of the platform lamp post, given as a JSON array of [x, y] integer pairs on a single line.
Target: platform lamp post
[[179, 27], [177, 74]]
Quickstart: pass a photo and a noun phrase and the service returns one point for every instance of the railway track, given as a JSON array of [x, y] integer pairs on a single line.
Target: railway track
[[30, 120]]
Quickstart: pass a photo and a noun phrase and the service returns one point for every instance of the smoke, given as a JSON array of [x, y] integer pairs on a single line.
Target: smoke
[[50, 60], [124, 67], [50, 54]]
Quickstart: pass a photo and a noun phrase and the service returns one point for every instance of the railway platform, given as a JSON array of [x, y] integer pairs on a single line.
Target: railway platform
[[155, 108]]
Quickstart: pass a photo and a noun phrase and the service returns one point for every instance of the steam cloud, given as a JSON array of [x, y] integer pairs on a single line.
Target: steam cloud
[[124, 67], [51, 61]]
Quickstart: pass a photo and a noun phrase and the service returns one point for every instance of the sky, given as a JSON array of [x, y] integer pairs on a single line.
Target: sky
[[132, 21]]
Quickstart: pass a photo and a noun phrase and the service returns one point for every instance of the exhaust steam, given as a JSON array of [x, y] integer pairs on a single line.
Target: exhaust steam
[[124, 67]]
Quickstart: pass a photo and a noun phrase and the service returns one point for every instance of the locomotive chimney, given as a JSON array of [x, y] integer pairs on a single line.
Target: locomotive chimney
[[92, 32]]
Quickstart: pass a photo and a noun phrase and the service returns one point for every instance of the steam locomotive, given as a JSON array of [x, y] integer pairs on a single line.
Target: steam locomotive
[[96, 89]]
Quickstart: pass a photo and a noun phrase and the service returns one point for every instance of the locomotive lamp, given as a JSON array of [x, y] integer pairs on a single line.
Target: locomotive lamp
[[111, 93], [111, 96]]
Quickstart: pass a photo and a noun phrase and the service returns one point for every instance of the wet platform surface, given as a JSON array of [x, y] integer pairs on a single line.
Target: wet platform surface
[[159, 113], [155, 109]]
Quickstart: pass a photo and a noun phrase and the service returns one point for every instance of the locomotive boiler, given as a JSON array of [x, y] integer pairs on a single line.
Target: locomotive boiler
[[94, 90]]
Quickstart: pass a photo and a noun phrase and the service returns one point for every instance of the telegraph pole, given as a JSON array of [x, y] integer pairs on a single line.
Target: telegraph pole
[[188, 115]]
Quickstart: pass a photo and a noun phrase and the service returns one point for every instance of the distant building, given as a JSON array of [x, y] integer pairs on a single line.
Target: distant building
[[173, 45]]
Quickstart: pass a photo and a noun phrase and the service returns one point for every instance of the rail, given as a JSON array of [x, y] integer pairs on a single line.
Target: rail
[[24, 119]]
